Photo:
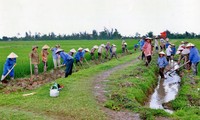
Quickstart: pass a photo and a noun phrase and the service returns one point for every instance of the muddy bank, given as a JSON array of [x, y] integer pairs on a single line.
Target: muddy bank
[[22, 84], [99, 92]]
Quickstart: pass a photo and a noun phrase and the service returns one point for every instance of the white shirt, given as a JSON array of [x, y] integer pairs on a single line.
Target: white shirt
[[100, 49], [168, 51], [114, 49], [185, 51]]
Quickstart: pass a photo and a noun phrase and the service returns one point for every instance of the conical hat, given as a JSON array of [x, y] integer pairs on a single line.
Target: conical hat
[[12, 55], [189, 45], [102, 45], [59, 50], [45, 47], [33, 47], [148, 38], [73, 50], [96, 47], [113, 45], [80, 48], [87, 50], [162, 53]]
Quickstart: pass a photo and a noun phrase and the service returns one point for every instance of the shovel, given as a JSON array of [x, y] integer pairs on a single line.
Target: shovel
[[178, 68], [8, 72]]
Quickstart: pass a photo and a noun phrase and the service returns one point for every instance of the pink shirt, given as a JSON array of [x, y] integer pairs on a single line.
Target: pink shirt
[[147, 48]]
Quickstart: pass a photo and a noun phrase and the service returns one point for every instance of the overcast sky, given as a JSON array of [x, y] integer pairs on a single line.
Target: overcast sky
[[128, 16]]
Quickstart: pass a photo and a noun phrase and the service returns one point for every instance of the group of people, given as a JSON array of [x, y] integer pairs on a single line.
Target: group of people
[[58, 54], [187, 53]]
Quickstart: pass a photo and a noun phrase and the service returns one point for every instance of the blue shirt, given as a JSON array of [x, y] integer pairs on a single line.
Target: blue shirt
[[79, 55], [8, 65], [167, 44], [65, 57], [54, 53], [194, 56], [162, 62], [83, 53], [141, 44], [173, 50]]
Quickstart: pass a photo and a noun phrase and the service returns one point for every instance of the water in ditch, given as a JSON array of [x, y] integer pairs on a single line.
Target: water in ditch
[[166, 90]]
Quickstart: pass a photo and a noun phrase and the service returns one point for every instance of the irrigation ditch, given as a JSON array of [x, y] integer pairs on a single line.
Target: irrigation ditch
[[137, 89]]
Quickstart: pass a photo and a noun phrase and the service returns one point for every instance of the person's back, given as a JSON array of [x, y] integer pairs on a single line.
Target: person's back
[[194, 56]]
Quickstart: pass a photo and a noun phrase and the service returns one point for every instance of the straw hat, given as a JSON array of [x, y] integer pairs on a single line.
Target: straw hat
[[102, 45], [96, 47], [161, 53], [87, 50], [33, 47], [12, 55], [148, 38], [125, 43], [45, 47], [113, 45], [80, 48], [173, 44], [189, 45], [59, 50], [73, 50]]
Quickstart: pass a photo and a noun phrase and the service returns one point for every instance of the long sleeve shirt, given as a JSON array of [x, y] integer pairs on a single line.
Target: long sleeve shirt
[[147, 48], [173, 50], [194, 56], [79, 55], [168, 51], [54, 55], [65, 57], [141, 44], [8, 65], [162, 62]]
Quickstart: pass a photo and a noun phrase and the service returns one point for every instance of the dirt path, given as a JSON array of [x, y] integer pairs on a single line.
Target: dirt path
[[99, 92]]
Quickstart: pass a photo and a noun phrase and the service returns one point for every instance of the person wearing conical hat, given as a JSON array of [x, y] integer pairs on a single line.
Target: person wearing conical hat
[[10, 62], [168, 52], [45, 54], [107, 48], [95, 47], [173, 51], [34, 56], [68, 60], [142, 41], [167, 44], [86, 50], [147, 48], [194, 57], [79, 56], [162, 63], [162, 44], [100, 51], [114, 49], [56, 57], [72, 51]]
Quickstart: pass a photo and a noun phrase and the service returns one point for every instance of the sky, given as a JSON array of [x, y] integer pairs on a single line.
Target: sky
[[73, 16]]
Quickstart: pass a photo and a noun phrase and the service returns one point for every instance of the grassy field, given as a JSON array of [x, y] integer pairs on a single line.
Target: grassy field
[[23, 48]]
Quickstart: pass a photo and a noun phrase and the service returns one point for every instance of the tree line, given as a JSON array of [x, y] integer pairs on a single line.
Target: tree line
[[105, 34]]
